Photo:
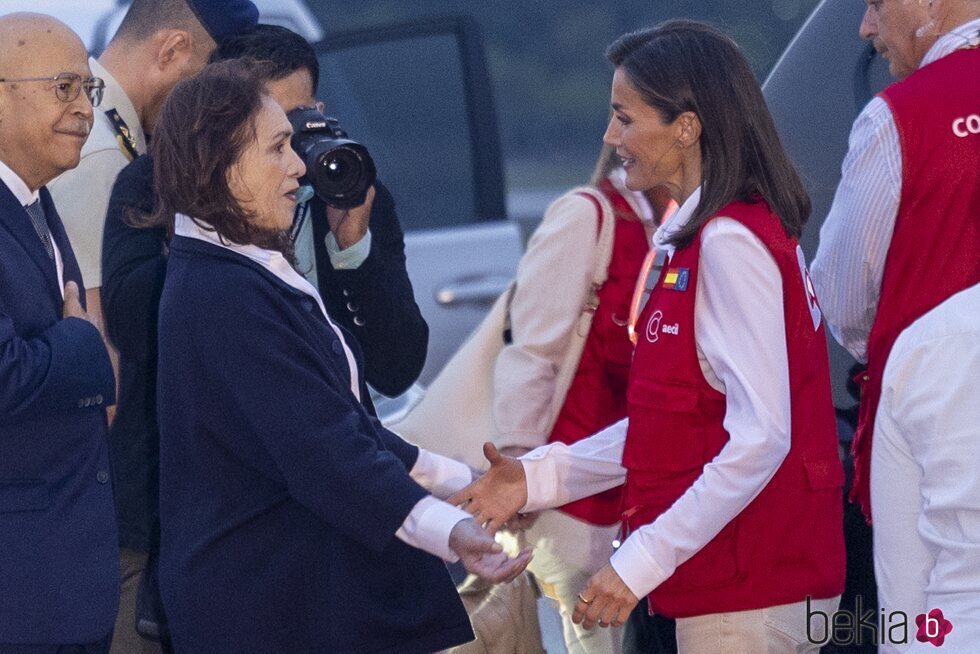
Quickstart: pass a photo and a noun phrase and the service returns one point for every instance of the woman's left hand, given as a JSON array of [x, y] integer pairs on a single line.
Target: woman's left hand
[[606, 600]]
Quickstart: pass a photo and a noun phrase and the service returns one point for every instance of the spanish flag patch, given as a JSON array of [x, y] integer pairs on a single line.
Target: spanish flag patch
[[675, 279]]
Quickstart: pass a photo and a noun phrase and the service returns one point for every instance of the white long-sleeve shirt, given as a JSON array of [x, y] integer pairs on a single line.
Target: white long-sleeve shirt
[[854, 239], [925, 491], [741, 344]]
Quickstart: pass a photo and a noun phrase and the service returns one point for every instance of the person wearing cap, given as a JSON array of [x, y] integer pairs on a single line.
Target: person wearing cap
[[158, 43], [58, 554]]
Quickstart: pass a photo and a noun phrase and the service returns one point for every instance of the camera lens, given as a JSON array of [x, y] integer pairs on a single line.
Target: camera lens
[[340, 170], [343, 174]]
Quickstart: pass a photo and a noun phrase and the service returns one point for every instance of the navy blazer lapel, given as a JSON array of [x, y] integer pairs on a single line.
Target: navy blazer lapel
[[69, 264], [14, 218]]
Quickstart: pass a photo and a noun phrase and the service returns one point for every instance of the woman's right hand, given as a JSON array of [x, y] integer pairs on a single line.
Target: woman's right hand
[[483, 556], [498, 495]]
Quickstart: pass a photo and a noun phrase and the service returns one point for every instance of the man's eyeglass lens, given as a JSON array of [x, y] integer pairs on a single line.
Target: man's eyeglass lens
[[67, 86]]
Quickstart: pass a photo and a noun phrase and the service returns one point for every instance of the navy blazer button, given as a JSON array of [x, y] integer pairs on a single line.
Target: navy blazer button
[[338, 349], [353, 308], [358, 321], [81, 404], [99, 399], [102, 477], [345, 292]]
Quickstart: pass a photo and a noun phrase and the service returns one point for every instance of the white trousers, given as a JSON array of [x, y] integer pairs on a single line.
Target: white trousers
[[567, 552], [773, 630]]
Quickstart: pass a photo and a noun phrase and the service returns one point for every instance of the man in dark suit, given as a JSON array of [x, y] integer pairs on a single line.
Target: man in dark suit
[[58, 553]]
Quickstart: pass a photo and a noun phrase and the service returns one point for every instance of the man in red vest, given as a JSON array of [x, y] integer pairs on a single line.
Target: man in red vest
[[909, 192], [903, 234]]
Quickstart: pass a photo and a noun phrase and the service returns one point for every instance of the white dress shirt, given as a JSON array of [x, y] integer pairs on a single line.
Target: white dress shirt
[[27, 197], [741, 346], [428, 525], [925, 490], [855, 237]]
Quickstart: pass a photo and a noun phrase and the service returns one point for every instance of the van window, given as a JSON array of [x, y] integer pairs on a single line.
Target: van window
[[405, 97]]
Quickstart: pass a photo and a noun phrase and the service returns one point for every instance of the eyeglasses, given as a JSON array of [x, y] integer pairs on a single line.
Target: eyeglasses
[[67, 86]]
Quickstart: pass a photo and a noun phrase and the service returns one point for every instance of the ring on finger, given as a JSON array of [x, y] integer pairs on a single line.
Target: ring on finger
[[583, 600]]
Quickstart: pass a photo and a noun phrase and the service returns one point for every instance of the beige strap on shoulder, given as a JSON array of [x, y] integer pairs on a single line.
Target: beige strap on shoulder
[[604, 247]]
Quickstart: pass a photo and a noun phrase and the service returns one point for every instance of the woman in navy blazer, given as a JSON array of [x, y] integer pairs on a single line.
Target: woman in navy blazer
[[291, 520]]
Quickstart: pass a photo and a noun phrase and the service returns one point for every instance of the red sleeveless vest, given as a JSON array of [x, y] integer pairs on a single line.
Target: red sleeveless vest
[[597, 395], [788, 543], [935, 248]]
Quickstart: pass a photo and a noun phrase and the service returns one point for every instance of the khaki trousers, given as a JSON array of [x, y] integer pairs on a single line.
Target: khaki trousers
[[772, 630]]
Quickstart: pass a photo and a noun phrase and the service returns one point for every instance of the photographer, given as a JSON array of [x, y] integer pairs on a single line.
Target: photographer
[[355, 257]]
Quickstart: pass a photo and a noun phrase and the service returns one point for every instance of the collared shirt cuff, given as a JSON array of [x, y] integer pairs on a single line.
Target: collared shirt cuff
[[439, 474], [541, 478], [429, 525], [638, 570], [349, 258]]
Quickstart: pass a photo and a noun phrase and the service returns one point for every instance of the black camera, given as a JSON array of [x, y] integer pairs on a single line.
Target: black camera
[[340, 170]]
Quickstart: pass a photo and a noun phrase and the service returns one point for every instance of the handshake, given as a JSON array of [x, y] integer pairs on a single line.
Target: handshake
[[493, 499]]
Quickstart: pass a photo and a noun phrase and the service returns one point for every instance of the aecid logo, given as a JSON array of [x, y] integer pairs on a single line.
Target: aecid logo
[[653, 326], [674, 329], [966, 125]]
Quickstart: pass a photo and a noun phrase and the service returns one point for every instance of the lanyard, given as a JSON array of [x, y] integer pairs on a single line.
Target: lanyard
[[652, 263]]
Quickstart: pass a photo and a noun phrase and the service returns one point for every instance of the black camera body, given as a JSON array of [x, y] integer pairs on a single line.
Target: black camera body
[[340, 170]]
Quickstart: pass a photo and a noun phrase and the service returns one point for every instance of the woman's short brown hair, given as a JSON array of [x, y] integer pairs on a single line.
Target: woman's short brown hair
[[203, 129]]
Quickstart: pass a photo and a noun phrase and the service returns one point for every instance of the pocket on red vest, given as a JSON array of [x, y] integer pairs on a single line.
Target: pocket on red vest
[[715, 565], [665, 430]]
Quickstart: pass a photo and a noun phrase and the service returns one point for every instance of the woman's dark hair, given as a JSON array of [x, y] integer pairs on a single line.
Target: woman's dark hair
[[203, 129], [683, 65]]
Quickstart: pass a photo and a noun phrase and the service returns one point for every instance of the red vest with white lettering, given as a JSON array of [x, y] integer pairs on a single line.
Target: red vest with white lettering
[[935, 248], [597, 395], [788, 542]]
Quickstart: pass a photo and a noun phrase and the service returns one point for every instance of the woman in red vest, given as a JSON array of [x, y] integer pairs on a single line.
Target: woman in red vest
[[573, 543], [731, 498]]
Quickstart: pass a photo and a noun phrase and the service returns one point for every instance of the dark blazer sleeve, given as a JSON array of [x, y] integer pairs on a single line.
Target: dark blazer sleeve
[[47, 364], [284, 405], [375, 301], [133, 263], [53, 372], [405, 451]]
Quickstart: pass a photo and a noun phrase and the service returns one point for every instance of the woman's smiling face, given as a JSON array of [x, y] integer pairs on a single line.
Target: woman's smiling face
[[644, 142]]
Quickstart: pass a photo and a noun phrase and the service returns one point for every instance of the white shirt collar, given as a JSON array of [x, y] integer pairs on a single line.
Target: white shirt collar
[[276, 264], [17, 186], [953, 40], [115, 97], [675, 222]]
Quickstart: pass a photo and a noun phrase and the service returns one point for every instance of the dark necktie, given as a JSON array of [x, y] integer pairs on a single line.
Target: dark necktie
[[36, 212]]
